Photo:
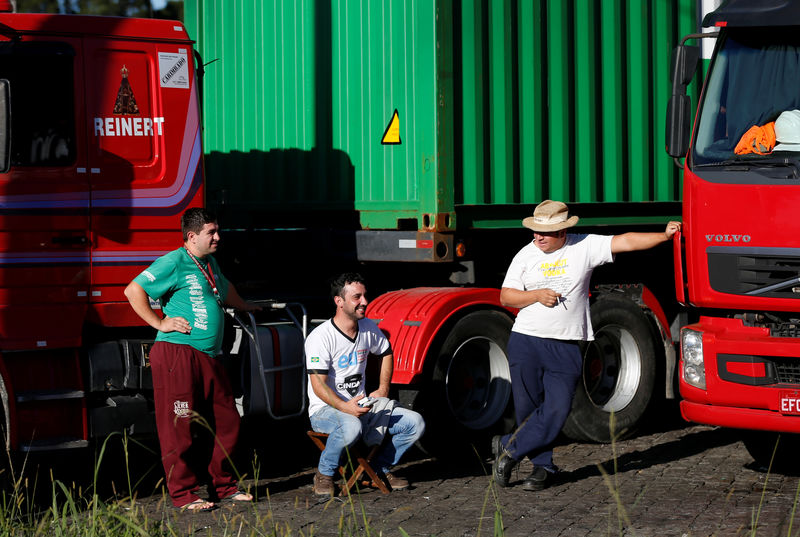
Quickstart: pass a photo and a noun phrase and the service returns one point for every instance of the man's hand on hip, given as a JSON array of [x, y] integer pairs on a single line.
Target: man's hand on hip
[[175, 324]]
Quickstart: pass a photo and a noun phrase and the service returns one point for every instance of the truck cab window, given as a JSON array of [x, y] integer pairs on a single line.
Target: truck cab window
[[41, 102], [755, 77]]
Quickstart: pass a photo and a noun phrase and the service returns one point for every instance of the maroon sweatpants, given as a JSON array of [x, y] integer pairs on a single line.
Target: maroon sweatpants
[[185, 382]]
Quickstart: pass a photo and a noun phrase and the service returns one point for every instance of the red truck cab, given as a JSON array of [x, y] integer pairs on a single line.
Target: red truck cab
[[101, 153], [739, 265]]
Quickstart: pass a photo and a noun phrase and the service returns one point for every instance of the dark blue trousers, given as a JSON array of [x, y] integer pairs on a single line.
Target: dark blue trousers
[[544, 374]]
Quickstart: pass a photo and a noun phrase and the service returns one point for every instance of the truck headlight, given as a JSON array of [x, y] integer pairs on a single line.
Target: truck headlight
[[694, 369]]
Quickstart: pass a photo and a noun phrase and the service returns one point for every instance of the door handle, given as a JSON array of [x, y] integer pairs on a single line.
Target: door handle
[[78, 240]]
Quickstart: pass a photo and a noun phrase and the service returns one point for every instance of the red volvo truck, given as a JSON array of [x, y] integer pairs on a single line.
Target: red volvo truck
[[738, 261]]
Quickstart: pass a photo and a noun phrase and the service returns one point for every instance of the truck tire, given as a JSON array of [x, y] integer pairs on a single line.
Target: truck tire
[[761, 446], [468, 395], [619, 372]]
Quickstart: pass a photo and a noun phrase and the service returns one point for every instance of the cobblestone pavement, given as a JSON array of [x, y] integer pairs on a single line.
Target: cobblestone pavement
[[688, 481]]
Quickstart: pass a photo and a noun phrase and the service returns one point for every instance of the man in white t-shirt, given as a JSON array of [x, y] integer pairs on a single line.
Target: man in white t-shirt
[[336, 360], [548, 280]]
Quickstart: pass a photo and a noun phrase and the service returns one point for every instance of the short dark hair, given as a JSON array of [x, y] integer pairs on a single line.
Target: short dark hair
[[194, 219], [340, 282]]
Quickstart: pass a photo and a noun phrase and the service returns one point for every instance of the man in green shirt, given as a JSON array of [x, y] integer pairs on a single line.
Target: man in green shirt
[[188, 378]]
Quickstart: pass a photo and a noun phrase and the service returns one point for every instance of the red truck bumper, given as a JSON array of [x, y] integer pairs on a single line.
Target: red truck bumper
[[739, 418], [752, 379]]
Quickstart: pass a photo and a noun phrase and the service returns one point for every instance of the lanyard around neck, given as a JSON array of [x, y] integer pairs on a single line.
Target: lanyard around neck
[[209, 275]]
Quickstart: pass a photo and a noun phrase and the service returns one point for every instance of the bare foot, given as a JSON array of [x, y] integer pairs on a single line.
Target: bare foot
[[199, 505], [239, 497]]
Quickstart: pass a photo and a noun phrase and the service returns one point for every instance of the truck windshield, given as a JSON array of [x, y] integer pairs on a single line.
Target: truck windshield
[[755, 76], [40, 76]]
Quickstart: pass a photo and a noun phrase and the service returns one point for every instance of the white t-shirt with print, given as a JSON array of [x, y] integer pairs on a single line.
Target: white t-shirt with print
[[566, 271], [344, 360]]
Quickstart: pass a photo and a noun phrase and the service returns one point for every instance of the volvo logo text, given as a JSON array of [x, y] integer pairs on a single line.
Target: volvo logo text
[[728, 238]]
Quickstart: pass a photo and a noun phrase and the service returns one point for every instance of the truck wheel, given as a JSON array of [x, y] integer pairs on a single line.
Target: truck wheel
[[761, 445], [468, 397], [619, 370]]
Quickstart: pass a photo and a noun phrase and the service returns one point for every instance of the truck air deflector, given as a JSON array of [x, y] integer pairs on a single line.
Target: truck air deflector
[[749, 13]]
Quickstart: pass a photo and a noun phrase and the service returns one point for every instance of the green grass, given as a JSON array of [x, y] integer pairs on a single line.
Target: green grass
[[72, 510]]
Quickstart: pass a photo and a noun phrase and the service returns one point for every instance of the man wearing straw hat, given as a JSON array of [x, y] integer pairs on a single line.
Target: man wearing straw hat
[[548, 280]]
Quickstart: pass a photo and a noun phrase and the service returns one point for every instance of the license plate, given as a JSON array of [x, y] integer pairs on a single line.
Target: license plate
[[789, 402]]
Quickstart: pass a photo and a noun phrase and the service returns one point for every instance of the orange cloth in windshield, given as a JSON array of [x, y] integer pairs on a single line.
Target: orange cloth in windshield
[[759, 140]]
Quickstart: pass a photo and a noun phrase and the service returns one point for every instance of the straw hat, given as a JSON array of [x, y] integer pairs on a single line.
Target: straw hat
[[550, 216]]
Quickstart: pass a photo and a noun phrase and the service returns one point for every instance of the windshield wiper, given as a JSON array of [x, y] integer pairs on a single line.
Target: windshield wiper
[[729, 162], [792, 162]]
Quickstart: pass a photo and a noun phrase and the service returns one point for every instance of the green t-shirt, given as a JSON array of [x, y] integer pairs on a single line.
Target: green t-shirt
[[183, 291]]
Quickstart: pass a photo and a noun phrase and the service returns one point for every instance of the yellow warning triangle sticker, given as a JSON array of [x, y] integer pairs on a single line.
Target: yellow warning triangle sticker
[[392, 134]]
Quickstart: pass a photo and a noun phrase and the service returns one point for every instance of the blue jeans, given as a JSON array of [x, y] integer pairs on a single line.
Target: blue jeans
[[544, 375], [344, 430]]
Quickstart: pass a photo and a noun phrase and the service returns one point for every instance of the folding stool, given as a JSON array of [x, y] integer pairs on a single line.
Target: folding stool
[[364, 465]]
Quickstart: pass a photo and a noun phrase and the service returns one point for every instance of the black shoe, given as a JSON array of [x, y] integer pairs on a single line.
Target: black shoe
[[538, 480], [504, 463]]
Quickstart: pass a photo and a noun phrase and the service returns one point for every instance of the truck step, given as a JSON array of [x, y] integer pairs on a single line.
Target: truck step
[[54, 444], [49, 395]]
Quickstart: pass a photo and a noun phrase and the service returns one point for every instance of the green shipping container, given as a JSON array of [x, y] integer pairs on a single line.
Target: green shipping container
[[500, 104]]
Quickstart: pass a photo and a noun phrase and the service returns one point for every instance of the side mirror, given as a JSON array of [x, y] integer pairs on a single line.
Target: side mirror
[[684, 64], [5, 125], [678, 126]]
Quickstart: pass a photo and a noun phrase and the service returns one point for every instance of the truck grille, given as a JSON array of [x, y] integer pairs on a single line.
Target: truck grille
[[757, 274], [787, 371], [784, 330]]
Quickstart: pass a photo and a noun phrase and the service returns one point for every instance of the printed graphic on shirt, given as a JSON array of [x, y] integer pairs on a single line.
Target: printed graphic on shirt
[[198, 304], [351, 359], [554, 275], [351, 384]]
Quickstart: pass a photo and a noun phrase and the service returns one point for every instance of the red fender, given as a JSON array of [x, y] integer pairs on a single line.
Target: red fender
[[654, 305], [412, 318]]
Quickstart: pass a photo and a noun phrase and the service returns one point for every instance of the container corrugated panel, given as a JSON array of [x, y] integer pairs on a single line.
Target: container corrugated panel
[[499, 103], [572, 105], [264, 137], [384, 58]]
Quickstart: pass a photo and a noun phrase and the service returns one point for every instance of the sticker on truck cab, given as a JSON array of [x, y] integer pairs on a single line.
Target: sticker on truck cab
[[173, 70]]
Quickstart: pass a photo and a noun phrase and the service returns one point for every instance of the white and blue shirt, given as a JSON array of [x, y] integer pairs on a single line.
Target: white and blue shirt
[[343, 359]]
